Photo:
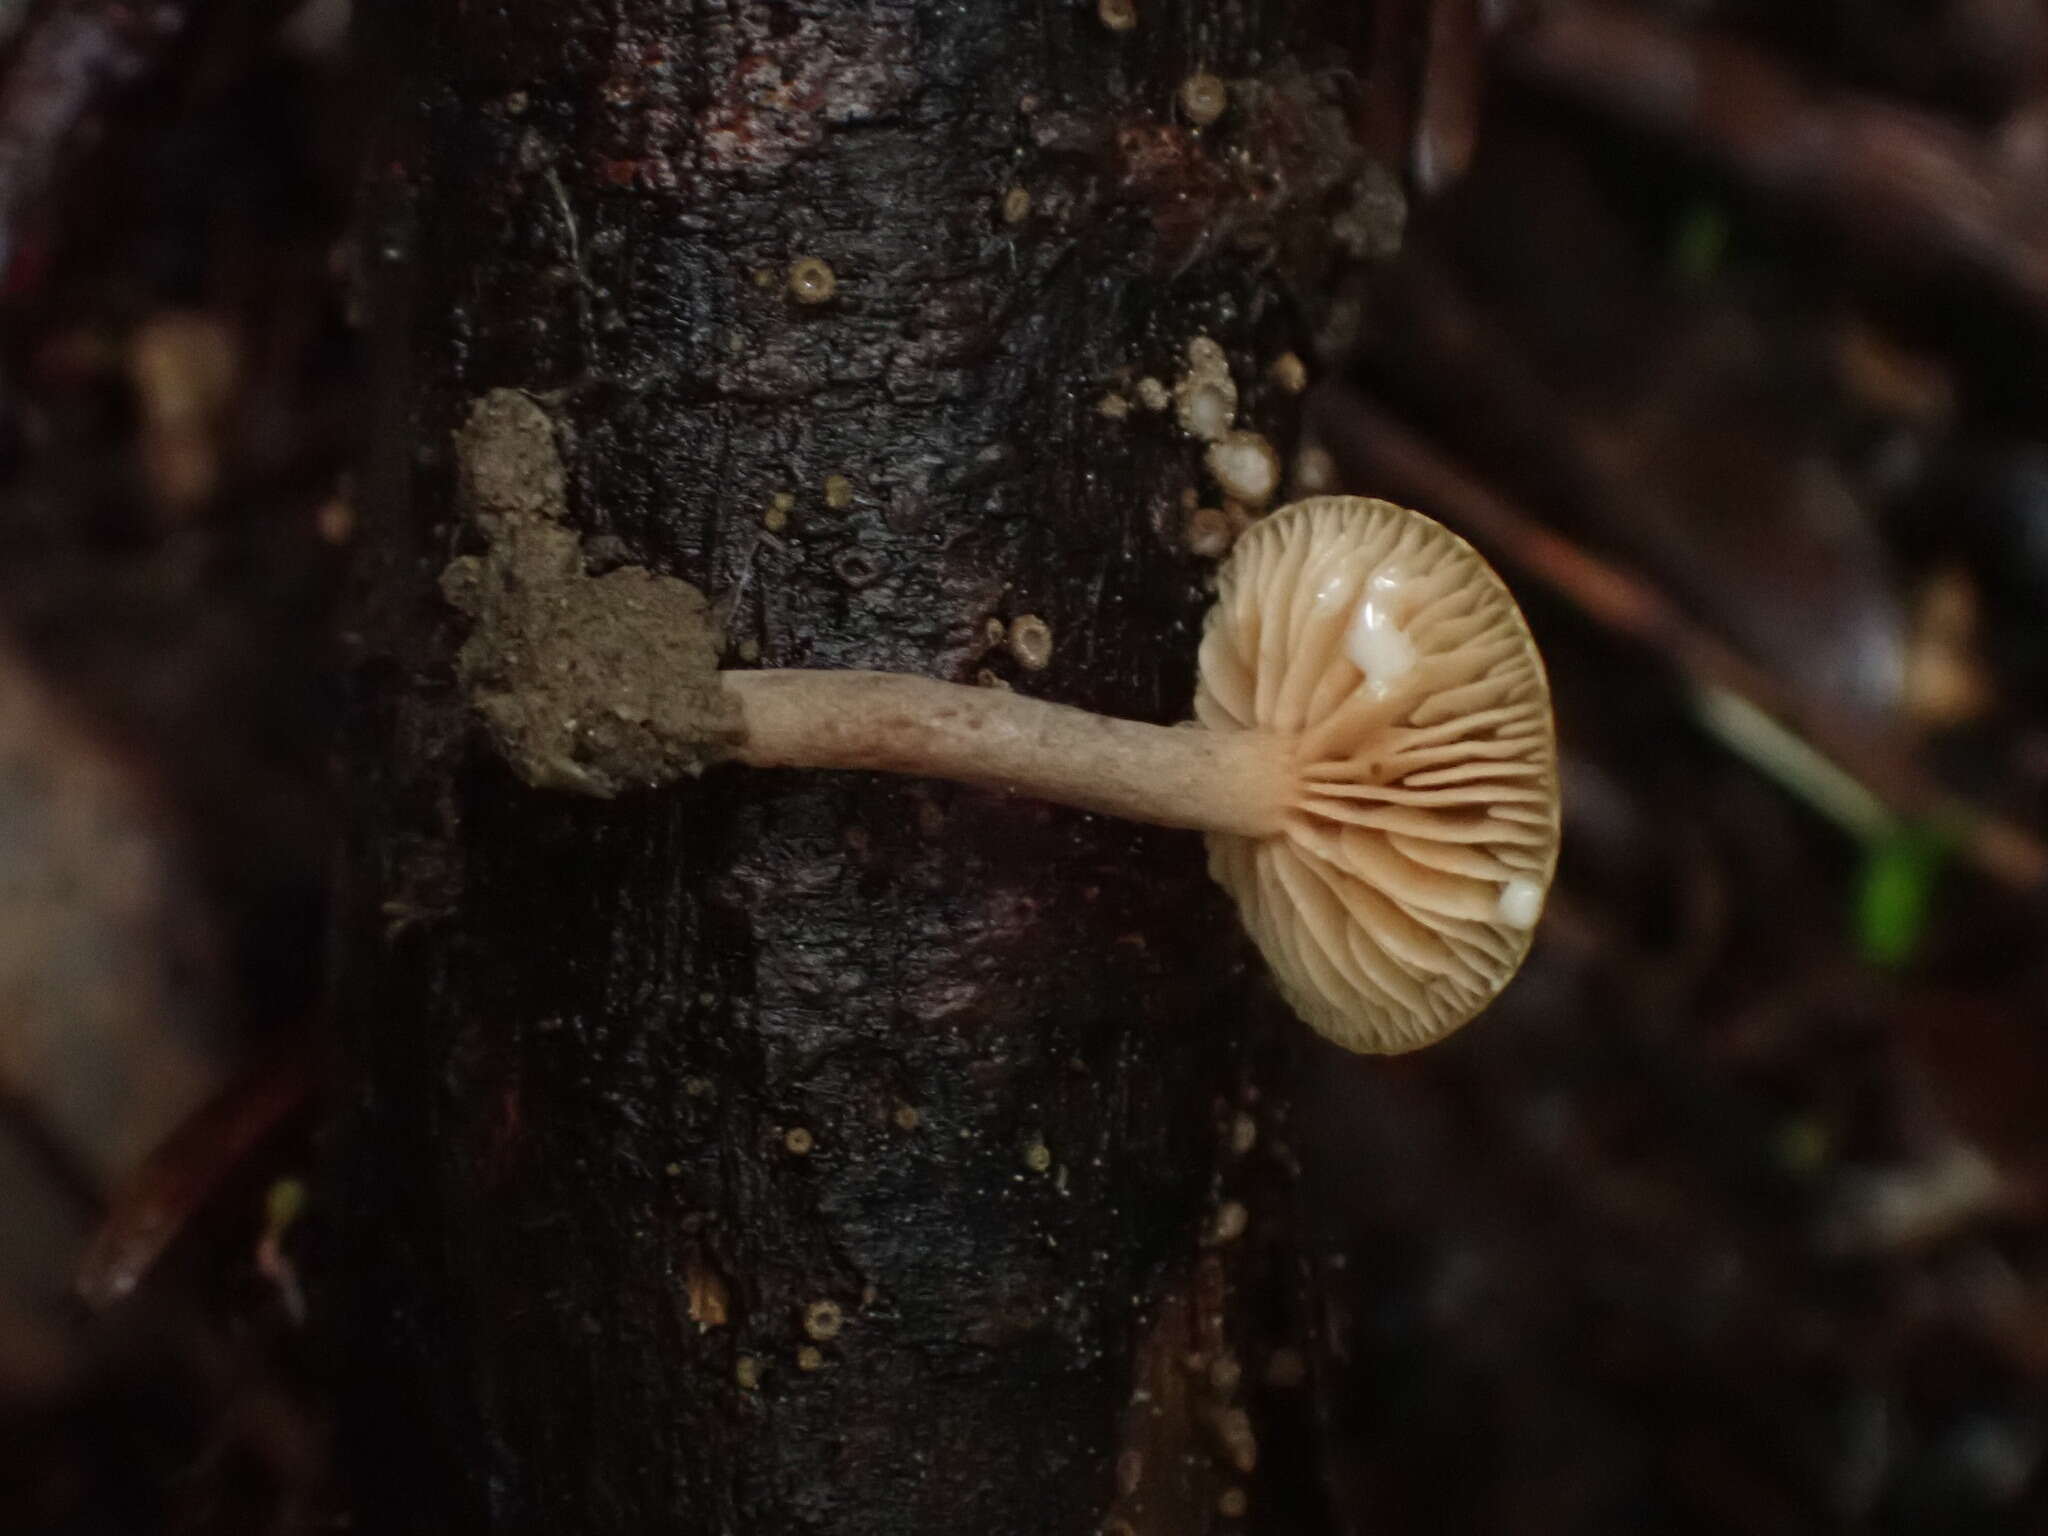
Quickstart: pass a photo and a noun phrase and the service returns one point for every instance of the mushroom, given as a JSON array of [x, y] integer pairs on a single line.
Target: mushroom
[[1372, 760], [1375, 764], [1403, 888]]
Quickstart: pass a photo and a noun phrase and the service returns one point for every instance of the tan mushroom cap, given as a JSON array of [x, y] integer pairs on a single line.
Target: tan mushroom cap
[[1403, 890]]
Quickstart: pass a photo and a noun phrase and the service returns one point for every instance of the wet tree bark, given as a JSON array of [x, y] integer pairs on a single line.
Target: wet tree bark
[[788, 1152]]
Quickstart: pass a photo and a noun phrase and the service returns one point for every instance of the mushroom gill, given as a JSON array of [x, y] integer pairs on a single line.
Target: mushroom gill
[[1404, 887]]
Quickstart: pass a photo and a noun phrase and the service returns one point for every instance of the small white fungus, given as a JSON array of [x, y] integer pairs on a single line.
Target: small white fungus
[[1206, 396], [1521, 903], [1206, 409], [1246, 466], [1315, 472]]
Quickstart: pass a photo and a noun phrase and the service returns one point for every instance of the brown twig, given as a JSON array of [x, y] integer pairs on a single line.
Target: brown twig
[[1913, 186], [1452, 92], [1385, 111], [178, 1178], [1388, 455]]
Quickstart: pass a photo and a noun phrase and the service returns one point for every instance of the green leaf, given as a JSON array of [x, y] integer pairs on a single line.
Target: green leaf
[[282, 1203], [1895, 893]]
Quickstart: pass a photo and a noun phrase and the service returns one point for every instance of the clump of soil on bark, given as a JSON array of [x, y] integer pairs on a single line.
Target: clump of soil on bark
[[591, 683]]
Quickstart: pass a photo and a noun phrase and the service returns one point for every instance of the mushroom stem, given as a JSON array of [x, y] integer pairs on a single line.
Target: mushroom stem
[[887, 722]]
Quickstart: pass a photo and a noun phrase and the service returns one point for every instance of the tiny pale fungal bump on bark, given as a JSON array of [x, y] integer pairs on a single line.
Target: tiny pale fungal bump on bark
[[811, 281]]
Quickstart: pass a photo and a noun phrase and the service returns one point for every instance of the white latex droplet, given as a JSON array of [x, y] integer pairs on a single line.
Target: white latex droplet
[[1521, 903], [1376, 645]]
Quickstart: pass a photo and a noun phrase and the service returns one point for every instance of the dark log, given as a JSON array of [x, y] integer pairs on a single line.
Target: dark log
[[641, 1084]]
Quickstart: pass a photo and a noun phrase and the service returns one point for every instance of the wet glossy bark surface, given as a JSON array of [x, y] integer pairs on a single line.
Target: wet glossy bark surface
[[637, 1083]]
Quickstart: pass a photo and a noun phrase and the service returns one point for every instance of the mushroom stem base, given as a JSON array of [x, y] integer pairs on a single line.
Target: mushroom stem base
[[888, 722]]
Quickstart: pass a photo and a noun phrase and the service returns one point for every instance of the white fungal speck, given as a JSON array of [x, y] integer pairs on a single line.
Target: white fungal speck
[[1315, 472], [1246, 466], [811, 281], [1376, 644], [1203, 98], [1521, 903], [1206, 409], [1210, 533], [1205, 397], [1289, 372], [1031, 642]]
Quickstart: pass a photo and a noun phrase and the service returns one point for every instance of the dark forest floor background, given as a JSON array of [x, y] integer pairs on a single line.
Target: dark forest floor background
[[1720, 328]]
